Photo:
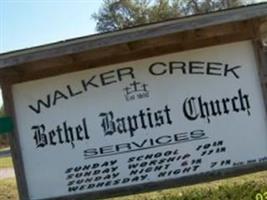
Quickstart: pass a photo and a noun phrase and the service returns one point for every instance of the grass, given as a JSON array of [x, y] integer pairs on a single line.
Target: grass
[[8, 189], [244, 187], [6, 162]]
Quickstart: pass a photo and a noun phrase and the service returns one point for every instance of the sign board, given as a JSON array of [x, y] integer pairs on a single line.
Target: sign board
[[150, 121]]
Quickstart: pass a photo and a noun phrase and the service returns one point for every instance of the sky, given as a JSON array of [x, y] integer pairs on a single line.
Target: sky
[[28, 23]]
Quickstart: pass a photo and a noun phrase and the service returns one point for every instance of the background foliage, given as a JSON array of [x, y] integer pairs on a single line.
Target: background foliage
[[120, 14]]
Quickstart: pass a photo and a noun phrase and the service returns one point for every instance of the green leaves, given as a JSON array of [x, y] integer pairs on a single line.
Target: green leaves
[[120, 14]]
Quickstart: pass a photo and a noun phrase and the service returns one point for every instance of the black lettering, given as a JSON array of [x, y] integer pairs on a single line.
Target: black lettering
[[177, 65], [159, 64], [90, 152], [212, 70], [88, 83], [231, 70], [196, 67], [107, 78], [40, 104], [72, 94], [127, 71], [58, 95]]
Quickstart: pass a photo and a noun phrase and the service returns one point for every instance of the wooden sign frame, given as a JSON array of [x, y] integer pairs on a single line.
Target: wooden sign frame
[[141, 42]]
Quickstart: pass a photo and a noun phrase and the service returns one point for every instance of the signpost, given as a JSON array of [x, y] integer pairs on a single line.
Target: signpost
[[176, 118]]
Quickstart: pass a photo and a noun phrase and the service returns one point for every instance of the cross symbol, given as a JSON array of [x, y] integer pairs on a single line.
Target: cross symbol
[[135, 84], [127, 89], [144, 87]]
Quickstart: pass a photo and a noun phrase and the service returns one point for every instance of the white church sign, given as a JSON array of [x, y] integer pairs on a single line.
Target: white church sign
[[144, 122]]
